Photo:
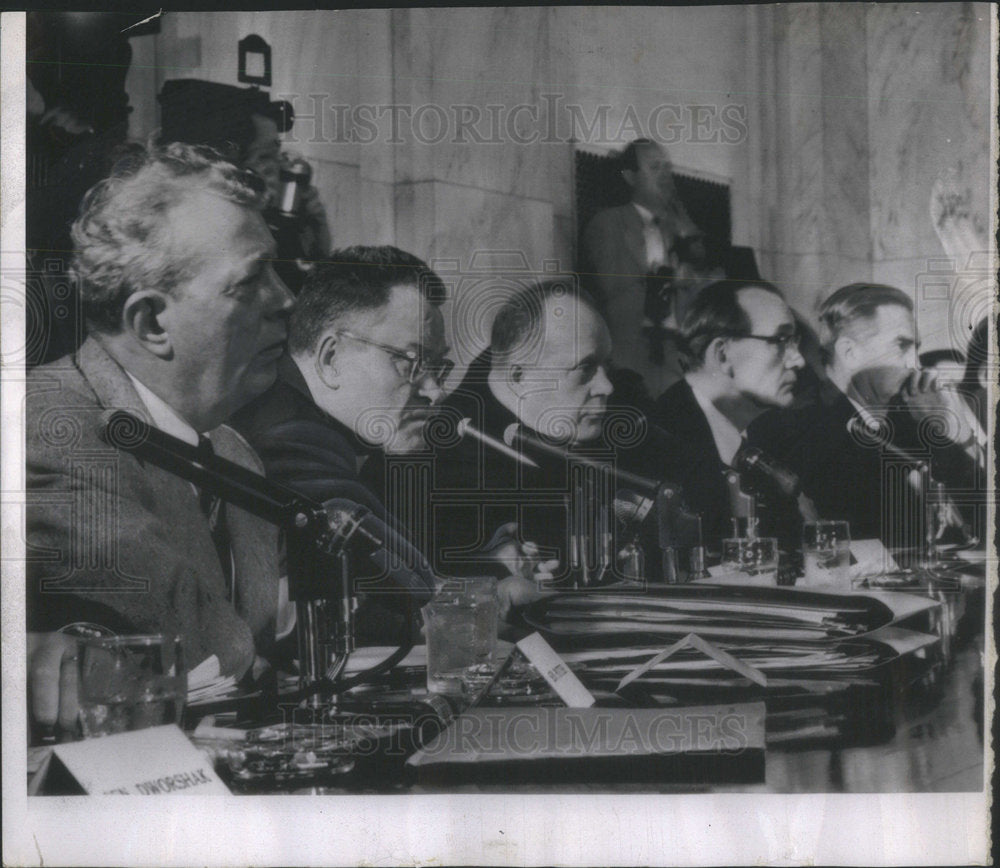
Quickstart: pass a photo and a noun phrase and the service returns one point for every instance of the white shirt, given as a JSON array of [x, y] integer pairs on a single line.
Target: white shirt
[[656, 253], [163, 415], [728, 439]]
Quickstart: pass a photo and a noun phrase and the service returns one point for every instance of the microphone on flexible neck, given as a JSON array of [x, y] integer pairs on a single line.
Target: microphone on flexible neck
[[757, 468], [515, 435], [466, 428], [339, 525]]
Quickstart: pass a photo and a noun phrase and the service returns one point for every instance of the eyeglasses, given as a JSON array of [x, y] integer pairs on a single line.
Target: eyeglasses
[[410, 365], [784, 342]]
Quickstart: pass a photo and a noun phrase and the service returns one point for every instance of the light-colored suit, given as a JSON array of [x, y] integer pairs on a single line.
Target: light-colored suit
[[615, 262], [118, 541]]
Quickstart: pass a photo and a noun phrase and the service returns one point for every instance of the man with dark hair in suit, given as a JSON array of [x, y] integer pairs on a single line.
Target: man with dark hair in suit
[[876, 397], [367, 361], [742, 342], [624, 244], [187, 322]]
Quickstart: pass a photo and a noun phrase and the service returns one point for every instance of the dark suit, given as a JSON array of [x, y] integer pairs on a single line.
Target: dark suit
[[478, 489], [302, 446], [852, 477], [118, 541], [615, 264], [694, 463], [305, 448]]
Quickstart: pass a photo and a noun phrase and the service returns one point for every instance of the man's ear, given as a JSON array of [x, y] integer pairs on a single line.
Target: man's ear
[[515, 377], [141, 317], [717, 355], [325, 361], [629, 177], [845, 348]]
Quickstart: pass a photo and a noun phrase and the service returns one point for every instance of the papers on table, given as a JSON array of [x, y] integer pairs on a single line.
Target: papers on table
[[207, 684], [769, 615]]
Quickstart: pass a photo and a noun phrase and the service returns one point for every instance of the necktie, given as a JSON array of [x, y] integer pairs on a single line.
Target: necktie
[[214, 509]]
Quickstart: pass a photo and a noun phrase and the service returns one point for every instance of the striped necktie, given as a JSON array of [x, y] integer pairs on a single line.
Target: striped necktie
[[214, 509]]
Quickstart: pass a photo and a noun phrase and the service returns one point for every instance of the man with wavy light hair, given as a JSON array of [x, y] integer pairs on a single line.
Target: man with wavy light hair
[[186, 323]]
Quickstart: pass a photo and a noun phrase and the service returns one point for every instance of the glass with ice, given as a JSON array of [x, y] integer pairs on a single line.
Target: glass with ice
[[461, 630], [826, 550], [129, 682]]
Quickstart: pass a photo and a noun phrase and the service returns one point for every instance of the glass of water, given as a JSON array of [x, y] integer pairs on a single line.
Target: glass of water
[[461, 629], [750, 560], [826, 550], [129, 682]]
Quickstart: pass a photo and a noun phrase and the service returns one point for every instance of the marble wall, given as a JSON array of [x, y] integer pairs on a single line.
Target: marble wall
[[831, 122], [867, 114]]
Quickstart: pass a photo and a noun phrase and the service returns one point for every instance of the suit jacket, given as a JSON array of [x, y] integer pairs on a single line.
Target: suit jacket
[[304, 447], [118, 541], [694, 462], [308, 450], [852, 479], [478, 489], [614, 257]]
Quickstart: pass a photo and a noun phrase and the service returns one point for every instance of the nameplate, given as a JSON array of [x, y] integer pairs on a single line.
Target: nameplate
[[149, 762], [555, 671]]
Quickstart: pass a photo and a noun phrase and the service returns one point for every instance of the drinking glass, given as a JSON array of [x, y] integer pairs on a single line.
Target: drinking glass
[[461, 629], [129, 682], [826, 551], [750, 560]]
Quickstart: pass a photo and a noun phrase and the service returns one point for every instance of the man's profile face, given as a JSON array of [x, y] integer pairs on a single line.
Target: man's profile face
[[227, 322], [375, 396], [564, 394], [886, 340], [652, 182], [761, 372], [880, 352]]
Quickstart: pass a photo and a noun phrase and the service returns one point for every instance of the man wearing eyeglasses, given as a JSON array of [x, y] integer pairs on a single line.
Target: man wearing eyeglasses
[[743, 348], [877, 400], [367, 357]]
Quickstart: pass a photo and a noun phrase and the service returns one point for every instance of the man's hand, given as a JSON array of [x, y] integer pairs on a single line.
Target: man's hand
[[516, 591], [52, 687], [527, 572], [926, 399]]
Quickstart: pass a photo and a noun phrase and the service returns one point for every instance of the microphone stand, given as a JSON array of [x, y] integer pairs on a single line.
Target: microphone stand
[[324, 616], [934, 498]]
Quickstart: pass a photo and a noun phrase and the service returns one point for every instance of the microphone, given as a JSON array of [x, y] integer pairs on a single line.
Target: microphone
[[465, 427], [859, 434], [760, 470], [356, 529], [515, 435], [339, 525]]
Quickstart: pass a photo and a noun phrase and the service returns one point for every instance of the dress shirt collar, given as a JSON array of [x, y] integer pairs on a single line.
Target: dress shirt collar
[[648, 217], [164, 416], [728, 439]]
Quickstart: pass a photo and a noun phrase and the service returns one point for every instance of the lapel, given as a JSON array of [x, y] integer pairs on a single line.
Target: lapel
[[254, 541], [109, 381]]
